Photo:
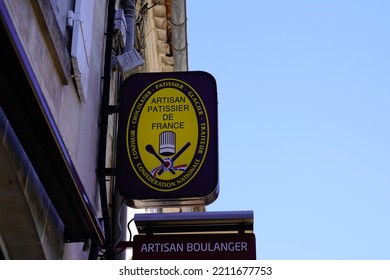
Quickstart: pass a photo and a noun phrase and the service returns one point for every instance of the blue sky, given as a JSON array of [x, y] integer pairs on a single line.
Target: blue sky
[[304, 120]]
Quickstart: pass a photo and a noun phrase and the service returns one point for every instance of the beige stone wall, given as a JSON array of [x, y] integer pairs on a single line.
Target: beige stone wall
[[158, 56], [77, 122]]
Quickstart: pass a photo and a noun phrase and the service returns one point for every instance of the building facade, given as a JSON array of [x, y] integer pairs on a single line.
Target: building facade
[[60, 76]]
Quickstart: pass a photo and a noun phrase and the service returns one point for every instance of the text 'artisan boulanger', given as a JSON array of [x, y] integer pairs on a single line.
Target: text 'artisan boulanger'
[[194, 247]]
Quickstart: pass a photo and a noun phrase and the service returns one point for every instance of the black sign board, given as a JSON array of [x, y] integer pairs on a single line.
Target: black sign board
[[195, 247], [167, 152]]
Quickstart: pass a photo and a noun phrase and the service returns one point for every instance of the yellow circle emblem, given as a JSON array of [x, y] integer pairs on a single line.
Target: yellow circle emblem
[[167, 134]]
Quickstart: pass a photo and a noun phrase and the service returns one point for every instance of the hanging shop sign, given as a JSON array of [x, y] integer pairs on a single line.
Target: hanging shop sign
[[167, 152], [195, 247]]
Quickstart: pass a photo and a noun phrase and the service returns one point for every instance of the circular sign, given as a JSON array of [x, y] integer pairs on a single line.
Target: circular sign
[[167, 134]]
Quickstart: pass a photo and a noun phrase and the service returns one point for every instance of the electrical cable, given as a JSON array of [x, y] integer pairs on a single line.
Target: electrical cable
[[128, 228], [119, 223], [130, 237]]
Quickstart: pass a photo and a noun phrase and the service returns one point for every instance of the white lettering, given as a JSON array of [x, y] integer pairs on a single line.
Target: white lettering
[[217, 247]]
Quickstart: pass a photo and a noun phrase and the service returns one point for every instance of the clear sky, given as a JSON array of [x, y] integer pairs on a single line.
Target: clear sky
[[304, 120]]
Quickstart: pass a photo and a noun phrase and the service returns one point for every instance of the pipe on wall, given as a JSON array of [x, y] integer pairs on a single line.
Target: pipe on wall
[[179, 35], [119, 213], [104, 113]]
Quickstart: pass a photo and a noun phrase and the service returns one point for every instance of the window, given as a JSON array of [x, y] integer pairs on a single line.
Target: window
[[82, 25]]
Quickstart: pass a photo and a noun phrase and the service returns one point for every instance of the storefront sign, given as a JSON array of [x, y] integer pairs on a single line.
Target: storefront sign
[[167, 139], [195, 247]]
